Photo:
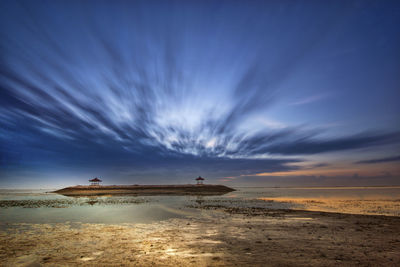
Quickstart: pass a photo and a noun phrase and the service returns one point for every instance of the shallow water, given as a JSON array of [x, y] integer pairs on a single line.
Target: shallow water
[[37, 206], [41, 207]]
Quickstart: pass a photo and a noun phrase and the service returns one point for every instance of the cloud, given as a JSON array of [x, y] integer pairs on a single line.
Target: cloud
[[123, 102], [310, 99], [379, 160], [309, 145], [385, 179], [154, 83]]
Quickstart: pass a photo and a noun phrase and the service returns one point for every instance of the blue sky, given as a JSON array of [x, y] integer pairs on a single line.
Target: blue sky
[[260, 92]]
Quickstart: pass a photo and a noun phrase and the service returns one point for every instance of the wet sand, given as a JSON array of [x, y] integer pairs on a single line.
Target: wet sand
[[221, 236], [373, 206]]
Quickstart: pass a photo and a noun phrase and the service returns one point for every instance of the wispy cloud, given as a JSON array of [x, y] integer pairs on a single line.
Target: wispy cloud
[[308, 145], [310, 99], [379, 160]]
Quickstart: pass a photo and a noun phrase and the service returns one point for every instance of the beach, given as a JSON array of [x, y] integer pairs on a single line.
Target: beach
[[229, 238], [209, 232]]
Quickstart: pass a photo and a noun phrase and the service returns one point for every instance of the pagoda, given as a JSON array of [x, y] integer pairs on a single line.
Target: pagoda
[[199, 180], [95, 181]]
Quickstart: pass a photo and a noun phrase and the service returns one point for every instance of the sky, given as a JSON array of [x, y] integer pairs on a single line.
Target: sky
[[243, 93]]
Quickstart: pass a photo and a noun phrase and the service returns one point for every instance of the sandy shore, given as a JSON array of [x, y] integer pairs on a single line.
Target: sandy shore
[[377, 206], [221, 236]]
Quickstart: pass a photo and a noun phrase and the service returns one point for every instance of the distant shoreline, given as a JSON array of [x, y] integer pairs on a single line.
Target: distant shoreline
[[188, 189]]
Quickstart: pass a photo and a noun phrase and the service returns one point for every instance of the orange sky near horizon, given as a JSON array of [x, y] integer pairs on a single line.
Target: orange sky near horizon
[[340, 169]]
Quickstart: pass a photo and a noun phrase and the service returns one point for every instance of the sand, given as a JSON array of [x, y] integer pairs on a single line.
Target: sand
[[377, 206], [221, 236]]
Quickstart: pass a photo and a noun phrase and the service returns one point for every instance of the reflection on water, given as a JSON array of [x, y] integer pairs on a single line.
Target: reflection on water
[[37, 206], [51, 208]]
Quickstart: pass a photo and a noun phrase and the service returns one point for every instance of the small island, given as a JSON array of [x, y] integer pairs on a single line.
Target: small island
[[95, 189]]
